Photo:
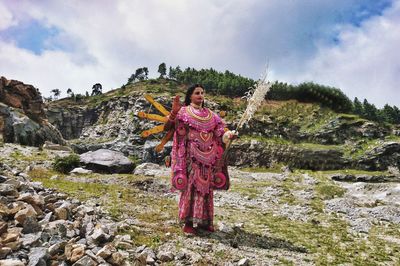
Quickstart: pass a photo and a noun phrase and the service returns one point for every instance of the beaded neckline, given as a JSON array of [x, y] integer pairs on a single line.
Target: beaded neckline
[[201, 118]]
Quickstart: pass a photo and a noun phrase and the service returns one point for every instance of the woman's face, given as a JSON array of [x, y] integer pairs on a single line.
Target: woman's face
[[197, 96]]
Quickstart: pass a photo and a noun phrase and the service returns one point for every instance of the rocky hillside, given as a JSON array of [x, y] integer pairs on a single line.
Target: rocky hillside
[[293, 199], [296, 134]]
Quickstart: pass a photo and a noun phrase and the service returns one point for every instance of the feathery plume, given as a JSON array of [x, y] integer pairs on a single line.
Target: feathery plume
[[254, 97]]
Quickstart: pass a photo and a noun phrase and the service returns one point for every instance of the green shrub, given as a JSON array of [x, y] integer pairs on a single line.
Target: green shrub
[[66, 164]]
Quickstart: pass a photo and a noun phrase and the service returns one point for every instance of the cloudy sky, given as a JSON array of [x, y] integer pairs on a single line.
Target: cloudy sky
[[348, 44]]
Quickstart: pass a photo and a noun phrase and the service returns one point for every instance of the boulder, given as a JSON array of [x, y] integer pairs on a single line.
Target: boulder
[[106, 161]]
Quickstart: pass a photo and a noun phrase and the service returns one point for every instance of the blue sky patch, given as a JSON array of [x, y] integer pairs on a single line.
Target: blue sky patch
[[368, 9], [32, 35]]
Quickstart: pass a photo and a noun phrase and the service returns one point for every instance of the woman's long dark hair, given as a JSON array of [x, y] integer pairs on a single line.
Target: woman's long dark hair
[[189, 93]]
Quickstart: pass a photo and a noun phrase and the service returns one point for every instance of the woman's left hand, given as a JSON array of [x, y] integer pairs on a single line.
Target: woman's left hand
[[229, 135], [233, 134]]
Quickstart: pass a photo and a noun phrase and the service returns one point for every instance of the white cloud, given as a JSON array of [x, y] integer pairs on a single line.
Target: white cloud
[[50, 70], [105, 41], [364, 64], [6, 18]]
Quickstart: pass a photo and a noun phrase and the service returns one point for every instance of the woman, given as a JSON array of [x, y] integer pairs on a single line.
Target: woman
[[197, 164]]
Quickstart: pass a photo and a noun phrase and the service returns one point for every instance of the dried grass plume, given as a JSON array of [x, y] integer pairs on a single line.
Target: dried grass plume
[[254, 97]]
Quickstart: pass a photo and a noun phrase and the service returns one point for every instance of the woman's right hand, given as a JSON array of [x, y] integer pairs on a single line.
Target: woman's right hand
[[176, 105]]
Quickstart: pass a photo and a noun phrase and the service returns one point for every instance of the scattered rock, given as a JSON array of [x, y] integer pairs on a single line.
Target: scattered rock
[[11, 262], [81, 171], [57, 248], [38, 257], [31, 225], [3, 227], [74, 252], [8, 190], [85, 261], [4, 251], [244, 262], [165, 256], [106, 251], [151, 169], [61, 213], [116, 258], [37, 224], [29, 211]]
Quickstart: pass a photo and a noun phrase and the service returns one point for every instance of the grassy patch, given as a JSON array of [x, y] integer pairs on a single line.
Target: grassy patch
[[276, 168], [249, 190], [327, 189], [287, 144], [353, 172], [41, 173], [288, 186], [38, 156], [392, 138]]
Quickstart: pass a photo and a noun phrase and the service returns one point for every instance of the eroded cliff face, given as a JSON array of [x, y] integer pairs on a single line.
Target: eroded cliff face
[[22, 116], [72, 121]]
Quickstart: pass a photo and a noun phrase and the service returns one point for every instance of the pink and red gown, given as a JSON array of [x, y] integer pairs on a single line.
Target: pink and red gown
[[196, 159]]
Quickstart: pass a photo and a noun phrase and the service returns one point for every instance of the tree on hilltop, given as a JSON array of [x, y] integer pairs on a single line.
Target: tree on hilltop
[[358, 107], [370, 111], [70, 93], [140, 74], [97, 89], [56, 93], [162, 69]]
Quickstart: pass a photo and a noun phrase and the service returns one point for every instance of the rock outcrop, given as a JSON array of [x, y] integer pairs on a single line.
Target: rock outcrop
[[16, 127], [22, 96], [380, 158], [258, 154], [22, 116]]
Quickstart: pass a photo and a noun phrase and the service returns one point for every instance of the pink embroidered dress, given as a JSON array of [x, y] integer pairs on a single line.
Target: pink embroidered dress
[[197, 165]]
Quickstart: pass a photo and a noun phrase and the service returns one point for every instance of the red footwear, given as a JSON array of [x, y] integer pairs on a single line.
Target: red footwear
[[210, 228], [189, 230]]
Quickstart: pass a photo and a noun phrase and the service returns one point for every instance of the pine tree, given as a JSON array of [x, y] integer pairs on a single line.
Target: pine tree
[[370, 111], [358, 107]]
